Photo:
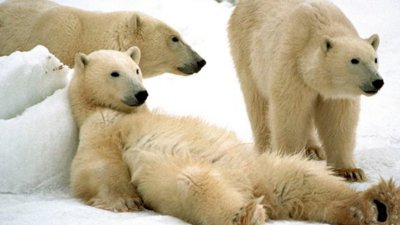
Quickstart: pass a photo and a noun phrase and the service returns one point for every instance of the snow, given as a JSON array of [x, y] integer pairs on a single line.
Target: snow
[[32, 155], [38, 73], [38, 138]]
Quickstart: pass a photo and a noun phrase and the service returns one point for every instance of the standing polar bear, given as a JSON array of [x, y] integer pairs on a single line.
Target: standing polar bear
[[129, 158], [302, 65], [66, 31]]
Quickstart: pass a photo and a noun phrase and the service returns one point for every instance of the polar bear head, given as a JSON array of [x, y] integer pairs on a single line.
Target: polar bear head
[[111, 79], [345, 67], [164, 50]]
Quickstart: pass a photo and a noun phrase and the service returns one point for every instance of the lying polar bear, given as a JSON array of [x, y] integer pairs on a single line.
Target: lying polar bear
[[129, 158]]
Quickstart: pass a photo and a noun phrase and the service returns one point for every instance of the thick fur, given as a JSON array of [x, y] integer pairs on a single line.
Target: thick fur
[[66, 31], [302, 65], [184, 167], [204, 175]]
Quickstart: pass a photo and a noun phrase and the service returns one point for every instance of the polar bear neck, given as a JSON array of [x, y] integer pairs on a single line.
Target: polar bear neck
[[330, 21]]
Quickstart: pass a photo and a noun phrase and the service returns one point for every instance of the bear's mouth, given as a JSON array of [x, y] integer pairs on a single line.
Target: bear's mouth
[[186, 70], [371, 92], [131, 104]]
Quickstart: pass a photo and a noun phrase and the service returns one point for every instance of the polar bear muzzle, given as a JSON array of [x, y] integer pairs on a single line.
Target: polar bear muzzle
[[138, 99], [373, 87], [192, 67]]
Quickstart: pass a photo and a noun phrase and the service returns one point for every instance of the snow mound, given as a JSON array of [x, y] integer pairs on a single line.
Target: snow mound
[[36, 147], [27, 78]]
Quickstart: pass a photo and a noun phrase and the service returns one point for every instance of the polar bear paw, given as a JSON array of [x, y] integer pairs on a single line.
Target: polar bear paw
[[315, 153], [380, 205], [128, 204], [251, 214], [352, 174]]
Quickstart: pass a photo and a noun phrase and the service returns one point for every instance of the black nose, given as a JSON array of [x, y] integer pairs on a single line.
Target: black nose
[[377, 83], [141, 96], [201, 63]]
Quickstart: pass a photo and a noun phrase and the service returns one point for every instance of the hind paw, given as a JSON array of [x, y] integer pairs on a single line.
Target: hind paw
[[384, 201], [315, 153], [252, 214]]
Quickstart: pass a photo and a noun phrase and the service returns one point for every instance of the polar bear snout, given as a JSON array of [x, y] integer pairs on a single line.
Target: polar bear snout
[[141, 96], [193, 67], [137, 99], [373, 87], [378, 83], [200, 64]]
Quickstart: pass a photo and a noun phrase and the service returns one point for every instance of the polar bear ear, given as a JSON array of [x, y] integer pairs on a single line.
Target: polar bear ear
[[134, 53], [135, 22], [81, 60], [327, 44], [374, 41]]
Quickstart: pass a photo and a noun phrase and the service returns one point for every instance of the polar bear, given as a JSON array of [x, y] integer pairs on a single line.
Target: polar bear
[[184, 167], [301, 66], [106, 83], [66, 31]]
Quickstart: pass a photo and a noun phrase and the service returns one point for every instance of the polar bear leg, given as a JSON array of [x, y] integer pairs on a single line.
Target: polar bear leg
[[194, 190], [105, 183], [256, 107], [297, 188], [313, 148], [336, 121], [100, 177], [306, 190], [257, 111], [290, 121]]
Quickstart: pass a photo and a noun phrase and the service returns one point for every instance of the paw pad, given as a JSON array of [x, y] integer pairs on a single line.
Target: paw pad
[[382, 211]]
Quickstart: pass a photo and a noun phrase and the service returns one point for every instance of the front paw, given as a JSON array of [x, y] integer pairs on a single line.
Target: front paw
[[351, 174], [118, 204]]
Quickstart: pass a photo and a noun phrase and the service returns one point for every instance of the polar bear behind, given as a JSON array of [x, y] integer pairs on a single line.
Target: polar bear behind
[[66, 31], [302, 65]]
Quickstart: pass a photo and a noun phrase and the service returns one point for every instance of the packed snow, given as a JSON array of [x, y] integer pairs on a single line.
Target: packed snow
[[38, 137], [27, 79]]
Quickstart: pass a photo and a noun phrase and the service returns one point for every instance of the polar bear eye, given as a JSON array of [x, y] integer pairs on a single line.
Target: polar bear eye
[[175, 39], [137, 71], [376, 60], [354, 61], [115, 74]]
